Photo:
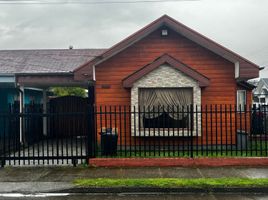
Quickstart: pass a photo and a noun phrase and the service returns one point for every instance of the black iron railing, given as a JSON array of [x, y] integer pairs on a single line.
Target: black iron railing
[[25, 139], [124, 131], [190, 131]]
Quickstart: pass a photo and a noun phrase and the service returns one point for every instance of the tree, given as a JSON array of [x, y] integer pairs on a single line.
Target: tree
[[69, 91]]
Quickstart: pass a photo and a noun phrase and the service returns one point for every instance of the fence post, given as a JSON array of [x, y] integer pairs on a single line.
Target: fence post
[[3, 162], [91, 139], [3, 158], [192, 127]]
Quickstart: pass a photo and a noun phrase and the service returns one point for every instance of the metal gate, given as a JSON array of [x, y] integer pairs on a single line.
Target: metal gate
[[59, 136]]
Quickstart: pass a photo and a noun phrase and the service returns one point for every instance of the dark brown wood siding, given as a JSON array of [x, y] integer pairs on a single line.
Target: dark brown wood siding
[[222, 89]]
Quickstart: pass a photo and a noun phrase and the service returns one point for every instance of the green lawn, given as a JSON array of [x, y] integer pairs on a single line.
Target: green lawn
[[173, 182], [255, 149], [186, 153]]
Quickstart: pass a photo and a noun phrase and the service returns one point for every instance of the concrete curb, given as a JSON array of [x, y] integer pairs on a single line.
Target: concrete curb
[[138, 190], [179, 162]]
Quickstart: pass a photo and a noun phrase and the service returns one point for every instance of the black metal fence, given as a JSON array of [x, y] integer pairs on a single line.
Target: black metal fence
[[190, 131], [123, 131], [34, 138]]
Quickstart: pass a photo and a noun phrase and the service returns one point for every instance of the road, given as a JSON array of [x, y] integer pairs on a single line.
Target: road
[[134, 197]]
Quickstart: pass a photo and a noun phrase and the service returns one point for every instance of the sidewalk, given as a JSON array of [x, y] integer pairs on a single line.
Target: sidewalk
[[53, 179]]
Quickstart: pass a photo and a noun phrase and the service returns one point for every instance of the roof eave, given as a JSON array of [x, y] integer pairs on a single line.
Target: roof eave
[[45, 74], [246, 85]]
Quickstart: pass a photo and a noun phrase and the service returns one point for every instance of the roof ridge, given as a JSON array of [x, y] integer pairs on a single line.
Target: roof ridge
[[179, 28]]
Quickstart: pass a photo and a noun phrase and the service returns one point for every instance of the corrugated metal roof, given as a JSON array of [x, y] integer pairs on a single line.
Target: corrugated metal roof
[[45, 61]]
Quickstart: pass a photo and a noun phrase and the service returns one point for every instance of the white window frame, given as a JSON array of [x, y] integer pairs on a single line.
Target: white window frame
[[237, 99]]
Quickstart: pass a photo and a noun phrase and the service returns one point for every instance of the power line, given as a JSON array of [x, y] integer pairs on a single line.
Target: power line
[[31, 2]]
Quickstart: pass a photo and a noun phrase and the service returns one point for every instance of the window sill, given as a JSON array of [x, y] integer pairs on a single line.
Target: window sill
[[165, 133]]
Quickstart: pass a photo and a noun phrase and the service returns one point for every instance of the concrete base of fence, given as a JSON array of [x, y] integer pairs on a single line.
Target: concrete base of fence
[[177, 162]]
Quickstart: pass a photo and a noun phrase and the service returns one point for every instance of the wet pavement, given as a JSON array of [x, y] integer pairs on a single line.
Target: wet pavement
[[67, 174], [51, 179]]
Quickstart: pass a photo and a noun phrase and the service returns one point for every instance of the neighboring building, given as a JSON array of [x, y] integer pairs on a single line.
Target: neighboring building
[[260, 94], [14, 63], [15, 97]]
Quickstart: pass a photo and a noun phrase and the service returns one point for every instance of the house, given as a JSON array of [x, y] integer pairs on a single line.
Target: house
[[261, 92], [166, 39], [167, 63], [150, 81]]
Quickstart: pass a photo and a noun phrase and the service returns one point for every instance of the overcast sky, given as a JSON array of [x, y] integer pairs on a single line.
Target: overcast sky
[[240, 25]]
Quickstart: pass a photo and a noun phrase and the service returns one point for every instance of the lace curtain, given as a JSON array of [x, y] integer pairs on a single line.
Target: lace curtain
[[174, 101]]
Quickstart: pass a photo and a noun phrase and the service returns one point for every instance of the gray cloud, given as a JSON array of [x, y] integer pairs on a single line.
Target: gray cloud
[[240, 25]]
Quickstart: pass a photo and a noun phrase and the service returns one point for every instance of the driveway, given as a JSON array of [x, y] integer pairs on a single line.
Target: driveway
[[57, 150]]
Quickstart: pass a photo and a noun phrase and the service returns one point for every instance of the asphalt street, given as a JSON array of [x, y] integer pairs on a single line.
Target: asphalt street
[[134, 197]]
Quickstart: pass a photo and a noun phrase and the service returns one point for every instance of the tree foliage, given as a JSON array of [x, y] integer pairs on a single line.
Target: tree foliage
[[69, 91]]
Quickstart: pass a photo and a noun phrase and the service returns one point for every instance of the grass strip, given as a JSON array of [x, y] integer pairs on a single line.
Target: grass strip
[[173, 182]]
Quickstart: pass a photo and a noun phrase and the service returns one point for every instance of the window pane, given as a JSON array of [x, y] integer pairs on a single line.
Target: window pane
[[256, 99], [165, 107], [241, 99], [165, 121]]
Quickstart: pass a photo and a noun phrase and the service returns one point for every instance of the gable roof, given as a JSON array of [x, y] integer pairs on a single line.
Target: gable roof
[[186, 32], [166, 59], [44, 61], [262, 83], [265, 81]]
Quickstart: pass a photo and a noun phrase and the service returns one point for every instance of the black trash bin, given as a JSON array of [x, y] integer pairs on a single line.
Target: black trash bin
[[109, 142], [242, 140]]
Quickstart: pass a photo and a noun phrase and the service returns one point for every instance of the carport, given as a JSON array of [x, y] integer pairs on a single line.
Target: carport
[[64, 133], [44, 81], [43, 69]]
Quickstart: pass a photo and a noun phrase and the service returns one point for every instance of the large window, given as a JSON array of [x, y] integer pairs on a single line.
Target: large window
[[256, 99], [241, 100], [165, 107]]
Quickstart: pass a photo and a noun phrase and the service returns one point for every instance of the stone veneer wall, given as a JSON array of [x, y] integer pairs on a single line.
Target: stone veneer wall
[[165, 76]]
